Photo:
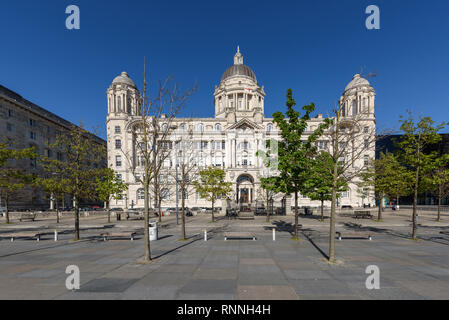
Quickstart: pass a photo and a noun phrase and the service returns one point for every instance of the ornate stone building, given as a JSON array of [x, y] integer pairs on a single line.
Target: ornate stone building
[[229, 140]]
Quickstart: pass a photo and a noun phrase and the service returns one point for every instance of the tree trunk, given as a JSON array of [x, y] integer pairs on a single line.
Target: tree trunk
[[77, 220], [322, 210], [147, 223], [439, 204], [213, 219], [296, 215], [57, 210], [183, 216], [108, 210], [159, 202], [7, 210], [268, 212], [415, 202], [332, 217], [379, 212]]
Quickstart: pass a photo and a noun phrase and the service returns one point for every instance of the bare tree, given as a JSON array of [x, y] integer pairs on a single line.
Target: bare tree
[[156, 116], [352, 141], [188, 159]]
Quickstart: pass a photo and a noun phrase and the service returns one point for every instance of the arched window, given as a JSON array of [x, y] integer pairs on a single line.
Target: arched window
[[182, 127], [119, 104], [217, 127], [165, 194], [200, 127], [164, 127], [141, 194], [354, 107], [269, 127]]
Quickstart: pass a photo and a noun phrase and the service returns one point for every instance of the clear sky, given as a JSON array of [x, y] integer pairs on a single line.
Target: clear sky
[[313, 47]]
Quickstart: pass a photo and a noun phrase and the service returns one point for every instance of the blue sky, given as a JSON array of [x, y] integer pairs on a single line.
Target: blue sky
[[313, 47]]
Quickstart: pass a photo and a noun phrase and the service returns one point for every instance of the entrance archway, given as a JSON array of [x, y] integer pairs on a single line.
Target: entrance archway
[[245, 189]]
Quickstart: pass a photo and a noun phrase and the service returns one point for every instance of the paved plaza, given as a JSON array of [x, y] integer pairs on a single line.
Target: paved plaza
[[233, 269]]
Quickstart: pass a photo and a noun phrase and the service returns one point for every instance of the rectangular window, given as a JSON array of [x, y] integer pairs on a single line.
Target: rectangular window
[[223, 145], [32, 135], [366, 129], [366, 143], [32, 122], [59, 156], [366, 160], [118, 161], [118, 144], [10, 113], [117, 129], [9, 127]]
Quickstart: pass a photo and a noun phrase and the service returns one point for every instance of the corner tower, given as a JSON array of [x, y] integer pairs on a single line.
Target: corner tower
[[239, 95]]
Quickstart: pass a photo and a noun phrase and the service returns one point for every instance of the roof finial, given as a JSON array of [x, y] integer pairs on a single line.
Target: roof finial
[[238, 58]]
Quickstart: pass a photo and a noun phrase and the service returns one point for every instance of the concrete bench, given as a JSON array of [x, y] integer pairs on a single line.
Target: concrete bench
[[12, 236], [27, 216], [246, 215], [109, 235], [239, 236], [353, 234], [362, 214]]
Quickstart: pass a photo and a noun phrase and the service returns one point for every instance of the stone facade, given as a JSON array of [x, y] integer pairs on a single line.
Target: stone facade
[[230, 140], [24, 124]]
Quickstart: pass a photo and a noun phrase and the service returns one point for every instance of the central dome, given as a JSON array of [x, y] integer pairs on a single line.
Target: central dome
[[239, 69]]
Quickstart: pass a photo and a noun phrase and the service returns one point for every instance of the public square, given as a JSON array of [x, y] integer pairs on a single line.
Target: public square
[[260, 269]]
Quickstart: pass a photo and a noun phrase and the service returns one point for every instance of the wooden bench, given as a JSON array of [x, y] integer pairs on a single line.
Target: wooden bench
[[27, 216], [354, 234], [12, 236], [239, 236], [109, 235], [362, 214]]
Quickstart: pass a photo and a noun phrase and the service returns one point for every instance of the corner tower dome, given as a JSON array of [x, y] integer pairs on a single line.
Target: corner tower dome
[[239, 69], [357, 81], [124, 78]]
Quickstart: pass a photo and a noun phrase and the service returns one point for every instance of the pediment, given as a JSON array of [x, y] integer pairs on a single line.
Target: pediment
[[244, 124]]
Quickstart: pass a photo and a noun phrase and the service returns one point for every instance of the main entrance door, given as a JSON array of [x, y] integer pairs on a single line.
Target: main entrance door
[[245, 189], [244, 195]]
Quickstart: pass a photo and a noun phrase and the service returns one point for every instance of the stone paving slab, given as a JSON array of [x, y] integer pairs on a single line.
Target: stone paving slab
[[216, 269]]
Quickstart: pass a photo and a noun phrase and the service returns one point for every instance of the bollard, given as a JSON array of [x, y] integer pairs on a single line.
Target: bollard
[[274, 234], [56, 235], [205, 235]]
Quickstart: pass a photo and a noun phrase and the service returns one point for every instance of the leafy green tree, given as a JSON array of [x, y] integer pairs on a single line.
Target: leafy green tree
[[54, 186], [13, 178], [212, 185], [411, 154], [109, 185], [319, 183], [295, 151], [385, 176], [77, 166], [438, 180]]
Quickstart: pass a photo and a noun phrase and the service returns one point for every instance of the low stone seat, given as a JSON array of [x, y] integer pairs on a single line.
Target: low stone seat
[[27, 216], [246, 215], [124, 234], [354, 234], [12, 236], [239, 236], [362, 214]]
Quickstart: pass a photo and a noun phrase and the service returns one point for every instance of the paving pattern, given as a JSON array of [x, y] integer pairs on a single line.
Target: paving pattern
[[233, 269]]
